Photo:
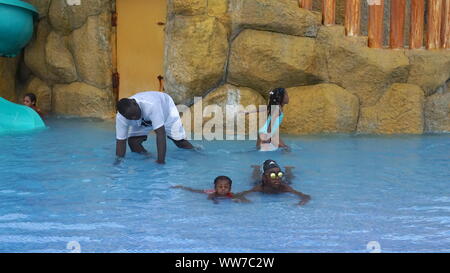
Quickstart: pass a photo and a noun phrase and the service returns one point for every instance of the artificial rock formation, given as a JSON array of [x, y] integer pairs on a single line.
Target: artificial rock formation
[[65, 18], [59, 61], [91, 47], [8, 69], [263, 60], [399, 111], [35, 51], [72, 44], [187, 7], [216, 45], [81, 99], [429, 69], [196, 53], [282, 16], [364, 71], [322, 108], [237, 100], [437, 113]]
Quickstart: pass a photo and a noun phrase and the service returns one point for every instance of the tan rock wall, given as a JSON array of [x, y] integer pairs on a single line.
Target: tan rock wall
[[437, 113], [399, 111], [196, 53], [228, 96], [81, 99], [282, 16], [72, 44], [263, 60], [214, 46], [8, 71], [322, 108]]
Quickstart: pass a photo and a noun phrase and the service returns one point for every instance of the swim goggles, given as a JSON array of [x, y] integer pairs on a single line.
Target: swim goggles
[[275, 175]]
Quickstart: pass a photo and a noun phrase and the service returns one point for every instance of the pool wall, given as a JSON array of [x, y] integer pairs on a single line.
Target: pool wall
[[234, 51]]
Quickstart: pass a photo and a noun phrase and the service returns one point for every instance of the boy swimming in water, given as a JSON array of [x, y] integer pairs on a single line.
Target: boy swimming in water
[[222, 190], [271, 183]]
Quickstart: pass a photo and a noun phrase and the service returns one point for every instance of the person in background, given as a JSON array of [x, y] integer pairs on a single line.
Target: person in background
[[30, 100], [268, 136]]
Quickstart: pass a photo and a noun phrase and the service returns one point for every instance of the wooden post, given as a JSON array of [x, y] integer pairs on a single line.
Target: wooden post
[[434, 24], [306, 4], [445, 31], [329, 12], [417, 24], [352, 17], [376, 9], [397, 32]]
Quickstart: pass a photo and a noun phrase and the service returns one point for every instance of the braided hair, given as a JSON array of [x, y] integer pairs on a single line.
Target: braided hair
[[276, 97]]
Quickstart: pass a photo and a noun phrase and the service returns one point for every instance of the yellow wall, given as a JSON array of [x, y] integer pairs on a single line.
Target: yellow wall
[[140, 44]]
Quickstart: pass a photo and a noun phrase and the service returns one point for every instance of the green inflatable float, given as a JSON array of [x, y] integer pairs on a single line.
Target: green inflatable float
[[18, 118]]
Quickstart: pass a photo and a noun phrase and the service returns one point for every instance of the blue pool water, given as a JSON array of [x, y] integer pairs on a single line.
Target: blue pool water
[[59, 185]]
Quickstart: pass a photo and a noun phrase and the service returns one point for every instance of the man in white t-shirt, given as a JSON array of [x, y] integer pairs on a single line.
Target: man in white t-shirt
[[142, 113]]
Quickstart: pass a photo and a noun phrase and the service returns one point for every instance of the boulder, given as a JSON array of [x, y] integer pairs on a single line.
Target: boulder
[[399, 111], [321, 108], [8, 71], [80, 99], [430, 69], [237, 100], [195, 56], [187, 7], [65, 18], [282, 16], [437, 113], [59, 59], [42, 91], [219, 9], [35, 51], [366, 72], [263, 60], [91, 49]]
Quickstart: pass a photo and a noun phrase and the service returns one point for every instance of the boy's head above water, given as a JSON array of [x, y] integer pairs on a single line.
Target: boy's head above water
[[272, 174], [222, 185]]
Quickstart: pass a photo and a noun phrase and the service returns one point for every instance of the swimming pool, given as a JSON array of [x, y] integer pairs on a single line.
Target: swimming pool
[[59, 185]]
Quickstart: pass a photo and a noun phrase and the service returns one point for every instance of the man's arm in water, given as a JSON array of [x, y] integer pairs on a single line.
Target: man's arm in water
[[304, 197], [187, 188], [161, 144], [121, 148]]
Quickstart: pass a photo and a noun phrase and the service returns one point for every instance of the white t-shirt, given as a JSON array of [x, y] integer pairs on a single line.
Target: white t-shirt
[[157, 109]]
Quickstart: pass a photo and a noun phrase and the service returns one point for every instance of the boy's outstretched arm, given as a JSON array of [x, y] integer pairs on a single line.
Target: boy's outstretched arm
[[187, 188], [304, 197]]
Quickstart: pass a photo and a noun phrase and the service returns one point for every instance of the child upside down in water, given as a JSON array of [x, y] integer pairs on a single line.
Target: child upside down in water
[[222, 190], [271, 182]]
